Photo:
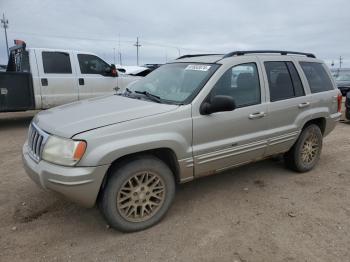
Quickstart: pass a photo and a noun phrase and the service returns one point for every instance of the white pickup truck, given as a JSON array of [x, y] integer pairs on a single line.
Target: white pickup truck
[[38, 78]]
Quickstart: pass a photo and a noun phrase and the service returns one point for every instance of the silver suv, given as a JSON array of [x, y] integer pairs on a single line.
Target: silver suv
[[193, 117]]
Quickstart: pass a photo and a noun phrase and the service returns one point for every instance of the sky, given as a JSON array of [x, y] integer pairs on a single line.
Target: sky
[[167, 29]]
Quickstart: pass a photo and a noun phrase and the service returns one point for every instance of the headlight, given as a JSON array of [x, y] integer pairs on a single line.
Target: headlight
[[63, 151]]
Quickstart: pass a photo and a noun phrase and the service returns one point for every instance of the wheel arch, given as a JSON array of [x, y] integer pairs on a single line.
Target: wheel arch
[[320, 122], [165, 154]]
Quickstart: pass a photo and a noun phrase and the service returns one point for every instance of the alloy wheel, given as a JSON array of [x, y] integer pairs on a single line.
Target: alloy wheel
[[141, 196]]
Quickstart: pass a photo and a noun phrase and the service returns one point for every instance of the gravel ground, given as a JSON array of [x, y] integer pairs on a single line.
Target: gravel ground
[[259, 212]]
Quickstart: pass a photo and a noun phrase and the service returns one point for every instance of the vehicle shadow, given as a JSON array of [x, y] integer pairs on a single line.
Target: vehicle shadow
[[253, 175], [16, 120], [256, 175]]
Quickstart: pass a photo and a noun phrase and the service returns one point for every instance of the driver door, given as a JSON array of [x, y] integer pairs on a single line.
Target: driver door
[[226, 139], [93, 80]]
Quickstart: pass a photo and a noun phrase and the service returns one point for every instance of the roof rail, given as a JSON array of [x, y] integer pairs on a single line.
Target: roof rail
[[195, 55], [239, 53]]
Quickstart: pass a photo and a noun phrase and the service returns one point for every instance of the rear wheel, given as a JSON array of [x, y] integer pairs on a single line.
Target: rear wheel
[[305, 153], [138, 194]]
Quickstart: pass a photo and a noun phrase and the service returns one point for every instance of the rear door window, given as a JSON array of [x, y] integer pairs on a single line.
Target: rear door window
[[317, 77], [284, 80], [56, 63]]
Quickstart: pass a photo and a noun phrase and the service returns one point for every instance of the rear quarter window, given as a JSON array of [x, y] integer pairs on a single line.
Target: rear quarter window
[[317, 77]]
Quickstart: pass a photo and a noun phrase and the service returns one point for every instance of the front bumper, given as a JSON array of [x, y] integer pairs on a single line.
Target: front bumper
[[79, 184]]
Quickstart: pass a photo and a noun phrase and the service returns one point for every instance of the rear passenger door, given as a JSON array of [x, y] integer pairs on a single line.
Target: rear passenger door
[[288, 104], [57, 78]]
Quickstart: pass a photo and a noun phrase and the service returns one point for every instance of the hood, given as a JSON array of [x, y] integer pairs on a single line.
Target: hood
[[71, 119]]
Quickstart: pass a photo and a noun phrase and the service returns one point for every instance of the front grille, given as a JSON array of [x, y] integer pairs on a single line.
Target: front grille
[[36, 141]]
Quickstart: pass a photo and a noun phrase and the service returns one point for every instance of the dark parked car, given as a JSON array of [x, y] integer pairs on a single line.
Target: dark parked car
[[347, 106], [342, 77]]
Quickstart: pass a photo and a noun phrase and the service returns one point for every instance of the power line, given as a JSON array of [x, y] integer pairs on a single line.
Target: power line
[[5, 25], [104, 39], [119, 52]]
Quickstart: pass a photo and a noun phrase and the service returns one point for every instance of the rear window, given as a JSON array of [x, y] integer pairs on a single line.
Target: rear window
[[317, 77], [56, 63]]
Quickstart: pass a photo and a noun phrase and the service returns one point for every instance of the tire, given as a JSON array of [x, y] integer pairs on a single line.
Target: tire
[[301, 162], [126, 196], [347, 114]]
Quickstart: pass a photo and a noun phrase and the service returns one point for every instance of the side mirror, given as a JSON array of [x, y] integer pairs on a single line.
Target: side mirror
[[218, 103], [114, 72]]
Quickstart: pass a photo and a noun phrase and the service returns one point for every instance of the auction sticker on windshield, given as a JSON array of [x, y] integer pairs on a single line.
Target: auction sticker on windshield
[[198, 67]]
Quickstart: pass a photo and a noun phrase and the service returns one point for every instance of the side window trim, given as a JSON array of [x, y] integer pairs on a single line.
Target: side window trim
[[288, 64], [302, 76]]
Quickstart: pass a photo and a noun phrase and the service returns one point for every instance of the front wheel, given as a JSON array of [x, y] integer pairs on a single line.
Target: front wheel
[[305, 153], [138, 194]]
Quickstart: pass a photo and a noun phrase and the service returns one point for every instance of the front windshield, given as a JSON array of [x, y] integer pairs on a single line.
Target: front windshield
[[343, 76], [175, 83]]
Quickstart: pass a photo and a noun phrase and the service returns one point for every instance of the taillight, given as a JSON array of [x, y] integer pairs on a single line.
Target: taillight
[[340, 100]]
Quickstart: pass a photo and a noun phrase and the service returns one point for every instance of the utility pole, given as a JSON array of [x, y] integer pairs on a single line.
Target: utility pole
[[137, 49], [340, 61], [120, 59], [5, 25], [114, 55], [178, 50], [119, 53]]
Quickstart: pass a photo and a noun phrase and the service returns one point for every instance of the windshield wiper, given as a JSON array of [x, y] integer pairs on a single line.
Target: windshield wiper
[[149, 96]]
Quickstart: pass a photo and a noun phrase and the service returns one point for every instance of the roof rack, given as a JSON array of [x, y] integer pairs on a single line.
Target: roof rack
[[194, 55], [239, 53]]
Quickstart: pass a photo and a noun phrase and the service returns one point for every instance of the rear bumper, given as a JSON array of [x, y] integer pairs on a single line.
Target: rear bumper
[[79, 184]]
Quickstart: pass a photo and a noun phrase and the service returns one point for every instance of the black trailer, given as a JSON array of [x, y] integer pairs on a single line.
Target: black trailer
[[16, 84]]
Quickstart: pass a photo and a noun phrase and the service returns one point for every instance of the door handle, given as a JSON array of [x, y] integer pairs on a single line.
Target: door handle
[[81, 81], [303, 105], [44, 82], [257, 115]]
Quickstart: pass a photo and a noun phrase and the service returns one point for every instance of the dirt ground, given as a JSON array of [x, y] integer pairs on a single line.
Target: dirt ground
[[259, 212]]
